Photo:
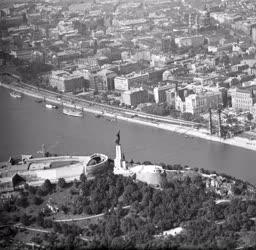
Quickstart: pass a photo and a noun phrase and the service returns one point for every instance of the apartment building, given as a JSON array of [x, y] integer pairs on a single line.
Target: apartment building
[[66, 82], [134, 97]]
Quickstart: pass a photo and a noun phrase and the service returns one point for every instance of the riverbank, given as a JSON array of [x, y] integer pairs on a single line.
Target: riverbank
[[145, 120]]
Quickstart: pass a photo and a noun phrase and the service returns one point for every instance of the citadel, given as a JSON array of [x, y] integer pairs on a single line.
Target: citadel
[[34, 171]]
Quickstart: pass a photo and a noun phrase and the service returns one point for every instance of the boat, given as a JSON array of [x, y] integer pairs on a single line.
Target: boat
[[15, 94], [50, 106], [39, 101], [72, 112], [98, 115]]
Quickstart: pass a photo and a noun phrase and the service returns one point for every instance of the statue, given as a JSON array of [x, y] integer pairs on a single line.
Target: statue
[[118, 138]]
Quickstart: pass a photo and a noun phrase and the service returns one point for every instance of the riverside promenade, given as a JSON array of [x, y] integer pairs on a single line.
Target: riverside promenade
[[169, 124]]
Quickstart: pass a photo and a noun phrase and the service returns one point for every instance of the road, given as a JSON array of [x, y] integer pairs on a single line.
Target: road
[[86, 217], [87, 105], [32, 229], [18, 226]]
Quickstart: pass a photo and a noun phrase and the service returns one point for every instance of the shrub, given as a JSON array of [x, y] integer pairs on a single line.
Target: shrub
[[37, 200], [62, 183]]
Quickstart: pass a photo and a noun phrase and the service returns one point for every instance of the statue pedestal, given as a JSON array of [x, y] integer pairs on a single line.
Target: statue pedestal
[[118, 159]]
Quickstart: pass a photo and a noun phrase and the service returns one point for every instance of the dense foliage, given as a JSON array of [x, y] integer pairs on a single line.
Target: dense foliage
[[135, 213]]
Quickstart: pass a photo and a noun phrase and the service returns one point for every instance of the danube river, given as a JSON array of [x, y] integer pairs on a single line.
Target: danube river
[[25, 125]]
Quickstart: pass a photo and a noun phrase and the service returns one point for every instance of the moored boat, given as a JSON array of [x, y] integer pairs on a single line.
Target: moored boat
[[50, 106], [73, 112], [39, 101], [15, 94]]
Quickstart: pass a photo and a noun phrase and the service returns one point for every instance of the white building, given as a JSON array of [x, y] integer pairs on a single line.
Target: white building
[[200, 103], [66, 82], [130, 80], [189, 41], [160, 93], [134, 97]]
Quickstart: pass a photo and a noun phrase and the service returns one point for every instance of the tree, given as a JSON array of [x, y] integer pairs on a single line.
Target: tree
[[121, 243], [37, 200], [112, 228], [40, 220], [249, 117], [25, 220], [32, 189], [61, 182], [83, 177], [22, 202], [47, 187], [64, 209], [187, 116], [251, 210], [36, 239]]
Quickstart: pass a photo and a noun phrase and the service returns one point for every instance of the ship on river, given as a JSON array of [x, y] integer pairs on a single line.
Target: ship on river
[[73, 112], [15, 95], [51, 106]]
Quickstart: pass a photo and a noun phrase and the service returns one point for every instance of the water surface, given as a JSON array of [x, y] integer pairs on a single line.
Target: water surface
[[26, 125]]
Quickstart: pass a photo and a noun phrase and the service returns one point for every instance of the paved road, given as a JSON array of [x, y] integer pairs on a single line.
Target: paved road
[[32, 229], [86, 217], [82, 103], [44, 231]]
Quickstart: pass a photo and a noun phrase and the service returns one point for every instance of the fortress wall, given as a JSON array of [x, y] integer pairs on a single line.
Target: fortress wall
[[46, 174], [69, 171], [149, 178]]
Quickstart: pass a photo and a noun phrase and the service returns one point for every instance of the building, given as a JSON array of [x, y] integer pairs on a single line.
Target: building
[[197, 104], [244, 98], [227, 18], [170, 96], [244, 26], [160, 60], [107, 79], [189, 41], [23, 54], [239, 67], [254, 34], [67, 55], [134, 97], [130, 80], [66, 82], [160, 93], [11, 21], [36, 170]]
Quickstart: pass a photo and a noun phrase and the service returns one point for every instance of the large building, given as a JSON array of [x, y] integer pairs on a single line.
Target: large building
[[130, 80], [186, 100], [134, 97], [66, 82], [189, 41], [170, 97], [197, 104], [160, 93], [107, 79], [244, 98], [35, 171]]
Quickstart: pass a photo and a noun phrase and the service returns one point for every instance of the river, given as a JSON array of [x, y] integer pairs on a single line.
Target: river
[[25, 125]]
